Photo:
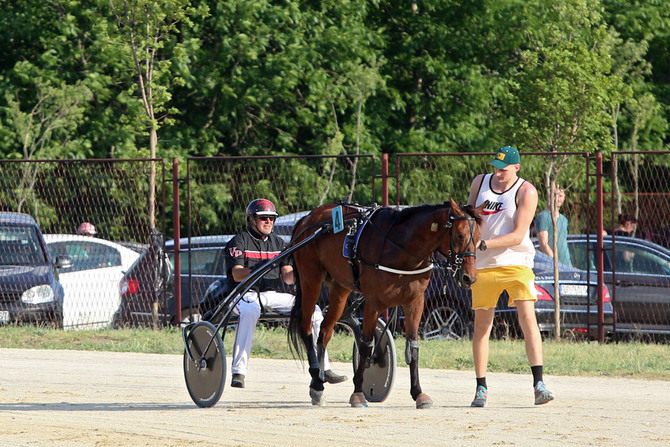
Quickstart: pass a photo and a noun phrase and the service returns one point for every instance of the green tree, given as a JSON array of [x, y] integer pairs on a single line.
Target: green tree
[[281, 79], [447, 68], [639, 123], [563, 92], [147, 30], [43, 129]]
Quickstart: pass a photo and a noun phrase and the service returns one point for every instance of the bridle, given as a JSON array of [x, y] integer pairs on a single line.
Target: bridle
[[455, 259]]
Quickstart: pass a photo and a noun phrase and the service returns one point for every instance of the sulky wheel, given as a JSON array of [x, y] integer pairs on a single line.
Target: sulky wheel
[[378, 378], [206, 374]]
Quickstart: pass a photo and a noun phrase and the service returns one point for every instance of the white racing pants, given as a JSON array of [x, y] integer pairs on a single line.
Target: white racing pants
[[249, 311]]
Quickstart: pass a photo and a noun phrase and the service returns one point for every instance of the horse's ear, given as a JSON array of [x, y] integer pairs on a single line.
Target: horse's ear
[[481, 207], [458, 212]]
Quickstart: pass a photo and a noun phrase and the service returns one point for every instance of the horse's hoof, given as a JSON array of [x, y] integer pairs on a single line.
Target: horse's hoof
[[357, 400], [317, 397], [424, 402]]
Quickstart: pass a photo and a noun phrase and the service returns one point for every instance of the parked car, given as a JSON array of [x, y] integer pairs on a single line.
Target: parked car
[[202, 262], [284, 224], [91, 283], [29, 287], [135, 246], [639, 273], [151, 280]]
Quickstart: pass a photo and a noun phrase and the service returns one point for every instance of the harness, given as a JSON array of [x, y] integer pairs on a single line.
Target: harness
[[355, 228]]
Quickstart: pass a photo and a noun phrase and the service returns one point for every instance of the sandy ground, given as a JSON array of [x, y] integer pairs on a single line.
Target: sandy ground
[[72, 398]]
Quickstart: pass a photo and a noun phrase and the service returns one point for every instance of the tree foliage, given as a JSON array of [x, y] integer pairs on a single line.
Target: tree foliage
[[255, 77]]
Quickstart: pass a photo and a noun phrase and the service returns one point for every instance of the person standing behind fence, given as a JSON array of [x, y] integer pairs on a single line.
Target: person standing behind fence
[[545, 231], [86, 229], [504, 263], [248, 250], [624, 258], [627, 226]]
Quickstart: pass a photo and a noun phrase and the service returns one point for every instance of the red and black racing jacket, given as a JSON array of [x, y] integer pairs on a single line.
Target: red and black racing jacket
[[248, 249]]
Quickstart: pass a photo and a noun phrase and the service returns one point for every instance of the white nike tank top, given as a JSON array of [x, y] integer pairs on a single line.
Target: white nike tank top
[[498, 219]]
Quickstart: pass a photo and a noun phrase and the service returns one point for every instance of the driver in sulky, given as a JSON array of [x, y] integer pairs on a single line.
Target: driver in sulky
[[250, 249]]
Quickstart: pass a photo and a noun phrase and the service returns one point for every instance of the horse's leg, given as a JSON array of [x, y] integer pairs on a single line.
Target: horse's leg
[[365, 346], [311, 277], [337, 301], [412, 320]]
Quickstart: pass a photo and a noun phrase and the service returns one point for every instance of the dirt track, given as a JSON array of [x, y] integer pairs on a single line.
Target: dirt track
[[72, 398]]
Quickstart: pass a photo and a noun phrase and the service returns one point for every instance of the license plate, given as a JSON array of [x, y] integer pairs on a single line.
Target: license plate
[[4, 316], [574, 289]]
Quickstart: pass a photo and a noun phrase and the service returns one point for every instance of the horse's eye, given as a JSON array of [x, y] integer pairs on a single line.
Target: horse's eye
[[460, 237]]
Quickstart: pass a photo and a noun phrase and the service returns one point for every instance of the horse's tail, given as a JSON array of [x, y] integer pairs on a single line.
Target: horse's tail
[[296, 345]]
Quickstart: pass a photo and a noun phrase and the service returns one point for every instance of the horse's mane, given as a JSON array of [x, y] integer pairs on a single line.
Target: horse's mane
[[405, 213]]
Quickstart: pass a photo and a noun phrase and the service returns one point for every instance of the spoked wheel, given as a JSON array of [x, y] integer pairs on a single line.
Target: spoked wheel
[[378, 378], [206, 374], [444, 323]]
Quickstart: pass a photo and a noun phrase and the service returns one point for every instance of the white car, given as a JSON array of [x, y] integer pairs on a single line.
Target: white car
[[91, 285]]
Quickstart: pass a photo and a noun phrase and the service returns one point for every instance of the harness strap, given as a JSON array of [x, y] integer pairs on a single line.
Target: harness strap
[[351, 251], [355, 227], [405, 272]]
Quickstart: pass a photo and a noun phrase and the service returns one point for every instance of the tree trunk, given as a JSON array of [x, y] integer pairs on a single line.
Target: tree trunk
[[153, 142]]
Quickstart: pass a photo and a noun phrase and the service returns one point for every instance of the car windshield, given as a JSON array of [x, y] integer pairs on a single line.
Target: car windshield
[[19, 245], [200, 262]]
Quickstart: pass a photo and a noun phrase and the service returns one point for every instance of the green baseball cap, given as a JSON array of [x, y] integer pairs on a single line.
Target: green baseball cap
[[506, 156]]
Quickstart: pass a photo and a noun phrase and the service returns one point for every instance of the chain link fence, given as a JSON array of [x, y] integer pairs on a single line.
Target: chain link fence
[[636, 256], [219, 190], [435, 178], [68, 232], [130, 206]]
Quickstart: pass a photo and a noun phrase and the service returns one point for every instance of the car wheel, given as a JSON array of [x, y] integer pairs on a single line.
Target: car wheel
[[444, 323]]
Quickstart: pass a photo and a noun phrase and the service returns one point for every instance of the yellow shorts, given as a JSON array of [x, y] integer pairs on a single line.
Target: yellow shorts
[[519, 281]]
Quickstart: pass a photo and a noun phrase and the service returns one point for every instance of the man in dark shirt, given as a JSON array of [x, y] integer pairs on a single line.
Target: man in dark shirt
[[627, 226], [245, 252]]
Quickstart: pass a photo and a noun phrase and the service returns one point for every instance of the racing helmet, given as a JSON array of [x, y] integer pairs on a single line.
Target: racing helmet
[[86, 229], [260, 207]]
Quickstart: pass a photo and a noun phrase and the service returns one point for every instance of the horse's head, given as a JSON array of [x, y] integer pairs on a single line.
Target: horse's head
[[461, 244]]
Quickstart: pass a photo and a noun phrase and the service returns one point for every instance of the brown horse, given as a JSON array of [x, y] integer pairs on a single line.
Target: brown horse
[[391, 267]]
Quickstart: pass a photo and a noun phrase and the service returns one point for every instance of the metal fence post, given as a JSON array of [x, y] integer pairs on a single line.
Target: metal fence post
[[385, 179], [176, 236], [599, 247]]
